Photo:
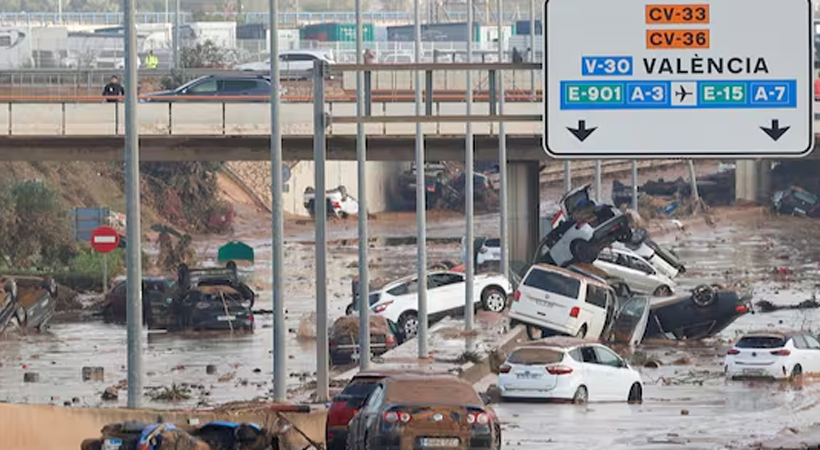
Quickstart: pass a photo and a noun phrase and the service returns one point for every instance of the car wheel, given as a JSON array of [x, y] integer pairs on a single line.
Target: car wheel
[[343, 215], [349, 310], [582, 332], [581, 396], [409, 323], [583, 251], [703, 295], [797, 373], [635, 394], [535, 333], [493, 299], [662, 291]]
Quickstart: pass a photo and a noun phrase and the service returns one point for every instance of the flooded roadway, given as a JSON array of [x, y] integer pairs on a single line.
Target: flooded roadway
[[688, 404]]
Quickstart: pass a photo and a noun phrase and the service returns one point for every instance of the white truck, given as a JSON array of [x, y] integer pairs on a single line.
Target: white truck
[[339, 203]]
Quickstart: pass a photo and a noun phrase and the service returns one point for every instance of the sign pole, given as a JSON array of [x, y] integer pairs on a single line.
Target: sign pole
[[105, 272]]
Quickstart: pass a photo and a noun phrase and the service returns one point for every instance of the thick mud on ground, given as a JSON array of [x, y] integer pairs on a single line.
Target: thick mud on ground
[[688, 404]]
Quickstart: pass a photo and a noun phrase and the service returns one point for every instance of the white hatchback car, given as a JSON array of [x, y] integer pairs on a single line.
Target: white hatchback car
[[635, 271], [490, 250], [569, 369], [773, 355], [398, 301]]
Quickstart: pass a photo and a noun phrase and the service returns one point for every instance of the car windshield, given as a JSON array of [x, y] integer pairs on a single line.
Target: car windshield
[[494, 242], [555, 283], [536, 356], [761, 342], [359, 389]]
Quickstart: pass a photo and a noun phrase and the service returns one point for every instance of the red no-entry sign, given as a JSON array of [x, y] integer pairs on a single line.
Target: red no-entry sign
[[105, 239]]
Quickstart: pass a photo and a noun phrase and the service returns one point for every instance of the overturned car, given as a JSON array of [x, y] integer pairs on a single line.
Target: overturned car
[[211, 299], [27, 304]]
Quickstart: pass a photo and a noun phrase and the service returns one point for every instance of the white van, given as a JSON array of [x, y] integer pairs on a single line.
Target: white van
[[552, 300]]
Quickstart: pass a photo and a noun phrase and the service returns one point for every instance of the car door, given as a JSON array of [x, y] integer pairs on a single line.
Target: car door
[[630, 322], [446, 292], [365, 416], [812, 353], [594, 377], [205, 90], [647, 274], [234, 88], [613, 369]]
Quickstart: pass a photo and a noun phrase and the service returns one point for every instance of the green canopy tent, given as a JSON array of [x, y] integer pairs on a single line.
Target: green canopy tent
[[235, 251]]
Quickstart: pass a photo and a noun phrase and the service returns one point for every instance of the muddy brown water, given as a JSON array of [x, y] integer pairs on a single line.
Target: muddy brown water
[[688, 404]]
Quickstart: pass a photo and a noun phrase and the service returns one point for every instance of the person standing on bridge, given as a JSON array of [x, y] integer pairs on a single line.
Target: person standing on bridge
[[113, 89], [151, 60]]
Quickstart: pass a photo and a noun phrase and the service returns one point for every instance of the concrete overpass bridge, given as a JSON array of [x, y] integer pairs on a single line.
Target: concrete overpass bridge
[[216, 131]]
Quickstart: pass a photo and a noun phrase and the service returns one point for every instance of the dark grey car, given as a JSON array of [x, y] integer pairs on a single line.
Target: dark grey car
[[217, 88]]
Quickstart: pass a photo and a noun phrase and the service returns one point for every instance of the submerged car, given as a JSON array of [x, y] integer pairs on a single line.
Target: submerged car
[[570, 369], [436, 411], [446, 290], [796, 201], [385, 335], [212, 299], [339, 203], [581, 229], [773, 354], [27, 304], [157, 296]]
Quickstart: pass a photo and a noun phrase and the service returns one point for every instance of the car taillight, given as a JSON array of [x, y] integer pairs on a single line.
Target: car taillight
[[574, 311], [517, 295], [579, 225], [336, 204], [504, 369], [559, 370], [733, 351], [783, 352], [478, 418], [390, 339], [382, 306], [333, 344], [250, 318], [394, 417], [741, 309]]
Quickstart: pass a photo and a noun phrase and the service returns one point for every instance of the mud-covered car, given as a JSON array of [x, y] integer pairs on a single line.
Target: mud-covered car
[[27, 304], [135, 435], [343, 338], [157, 296], [703, 312], [796, 201], [339, 203], [212, 299], [581, 229], [408, 412]]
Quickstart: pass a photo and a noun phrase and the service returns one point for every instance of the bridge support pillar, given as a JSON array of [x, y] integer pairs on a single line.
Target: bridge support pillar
[[524, 209], [753, 181]]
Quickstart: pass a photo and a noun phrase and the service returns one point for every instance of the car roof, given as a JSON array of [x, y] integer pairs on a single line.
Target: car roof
[[391, 373], [578, 274], [783, 334], [412, 388], [401, 280]]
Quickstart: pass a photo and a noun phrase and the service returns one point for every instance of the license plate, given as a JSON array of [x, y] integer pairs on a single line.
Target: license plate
[[225, 318], [528, 375], [439, 442], [753, 372], [112, 444], [543, 303]]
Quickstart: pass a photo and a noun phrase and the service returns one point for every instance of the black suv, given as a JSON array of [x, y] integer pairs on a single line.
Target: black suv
[[216, 88]]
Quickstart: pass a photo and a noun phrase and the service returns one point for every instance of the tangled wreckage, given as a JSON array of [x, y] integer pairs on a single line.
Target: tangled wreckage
[[582, 229], [202, 299], [28, 304]]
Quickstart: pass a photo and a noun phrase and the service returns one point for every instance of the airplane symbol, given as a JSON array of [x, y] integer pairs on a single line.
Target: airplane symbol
[[682, 93]]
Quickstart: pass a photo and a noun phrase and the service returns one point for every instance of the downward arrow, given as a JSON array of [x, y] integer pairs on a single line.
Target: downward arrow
[[775, 132], [582, 132]]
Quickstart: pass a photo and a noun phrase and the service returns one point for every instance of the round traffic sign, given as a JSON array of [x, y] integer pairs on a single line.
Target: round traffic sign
[[105, 239]]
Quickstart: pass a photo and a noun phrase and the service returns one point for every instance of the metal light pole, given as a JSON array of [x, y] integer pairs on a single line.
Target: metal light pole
[[567, 175], [469, 186], [635, 184], [177, 35], [361, 158], [280, 356], [133, 231], [320, 209], [502, 153], [532, 46], [421, 200]]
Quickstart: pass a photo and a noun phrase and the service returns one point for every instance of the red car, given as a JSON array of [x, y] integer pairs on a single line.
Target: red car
[[345, 406]]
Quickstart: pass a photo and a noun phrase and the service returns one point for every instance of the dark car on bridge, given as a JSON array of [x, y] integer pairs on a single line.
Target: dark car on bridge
[[217, 88]]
